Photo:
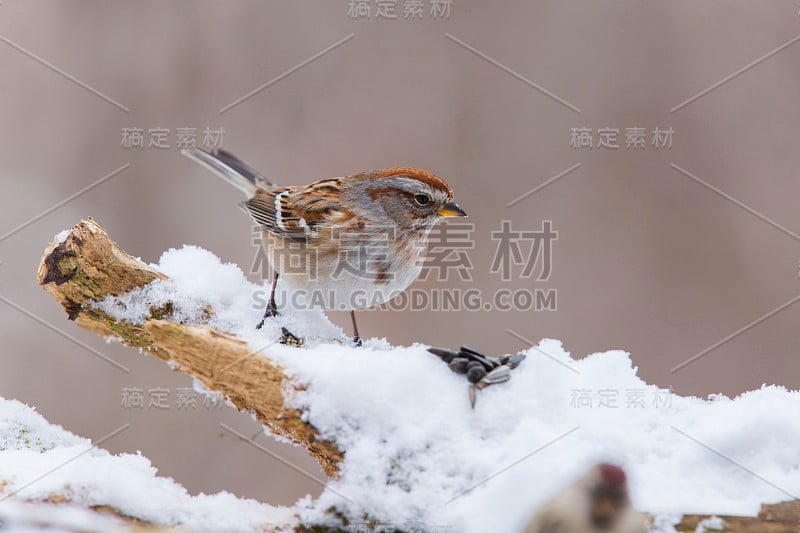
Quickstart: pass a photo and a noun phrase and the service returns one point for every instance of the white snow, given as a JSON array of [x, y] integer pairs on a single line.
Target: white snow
[[62, 235], [418, 455], [714, 523], [30, 517], [39, 460]]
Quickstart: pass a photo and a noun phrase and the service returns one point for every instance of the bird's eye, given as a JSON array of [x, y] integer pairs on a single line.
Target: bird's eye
[[422, 199]]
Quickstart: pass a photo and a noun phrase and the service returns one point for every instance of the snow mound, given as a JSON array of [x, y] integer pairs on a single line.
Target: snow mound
[[416, 449], [34, 517], [39, 460], [418, 456]]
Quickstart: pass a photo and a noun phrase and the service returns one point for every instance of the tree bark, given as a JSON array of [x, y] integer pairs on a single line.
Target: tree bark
[[87, 266]]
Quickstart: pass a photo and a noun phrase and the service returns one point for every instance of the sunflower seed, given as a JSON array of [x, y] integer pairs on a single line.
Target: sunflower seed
[[475, 355], [443, 353], [501, 374], [459, 365], [513, 361], [476, 373]]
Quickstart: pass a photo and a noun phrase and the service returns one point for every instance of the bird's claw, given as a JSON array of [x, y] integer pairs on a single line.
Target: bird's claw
[[289, 339]]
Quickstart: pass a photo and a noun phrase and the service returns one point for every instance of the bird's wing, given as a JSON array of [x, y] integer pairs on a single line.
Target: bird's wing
[[294, 212]]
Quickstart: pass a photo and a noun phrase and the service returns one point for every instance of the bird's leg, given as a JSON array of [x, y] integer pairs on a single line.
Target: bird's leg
[[272, 308], [356, 337]]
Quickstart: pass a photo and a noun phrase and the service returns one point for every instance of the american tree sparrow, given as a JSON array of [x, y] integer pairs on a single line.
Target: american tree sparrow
[[348, 243], [596, 503]]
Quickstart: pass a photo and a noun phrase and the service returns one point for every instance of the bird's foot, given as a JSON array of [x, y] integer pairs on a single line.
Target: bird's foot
[[290, 339]]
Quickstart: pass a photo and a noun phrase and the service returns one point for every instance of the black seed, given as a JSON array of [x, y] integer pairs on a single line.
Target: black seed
[[474, 355], [443, 353], [476, 373], [470, 349], [459, 365]]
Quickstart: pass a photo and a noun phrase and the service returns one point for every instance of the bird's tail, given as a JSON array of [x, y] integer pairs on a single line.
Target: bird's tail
[[230, 168]]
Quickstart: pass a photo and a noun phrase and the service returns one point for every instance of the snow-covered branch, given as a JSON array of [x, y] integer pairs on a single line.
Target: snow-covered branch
[[393, 426], [83, 266]]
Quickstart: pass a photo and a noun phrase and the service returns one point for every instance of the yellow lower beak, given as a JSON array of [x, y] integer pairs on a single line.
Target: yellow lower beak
[[451, 209]]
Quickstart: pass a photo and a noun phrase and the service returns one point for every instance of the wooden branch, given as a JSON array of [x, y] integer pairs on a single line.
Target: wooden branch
[[87, 266], [775, 518]]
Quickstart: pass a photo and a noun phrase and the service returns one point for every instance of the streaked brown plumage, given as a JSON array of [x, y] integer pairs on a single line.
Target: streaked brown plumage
[[383, 216]]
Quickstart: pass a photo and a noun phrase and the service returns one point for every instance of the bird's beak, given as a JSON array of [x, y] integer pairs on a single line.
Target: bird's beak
[[451, 209]]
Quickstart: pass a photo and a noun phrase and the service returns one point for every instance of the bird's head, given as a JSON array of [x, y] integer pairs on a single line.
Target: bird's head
[[609, 494], [411, 198]]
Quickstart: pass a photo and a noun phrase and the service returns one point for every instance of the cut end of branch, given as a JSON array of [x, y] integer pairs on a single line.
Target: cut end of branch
[[86, 266]]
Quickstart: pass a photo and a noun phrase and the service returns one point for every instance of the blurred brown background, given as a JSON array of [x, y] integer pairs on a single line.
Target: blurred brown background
[[648, 260]]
